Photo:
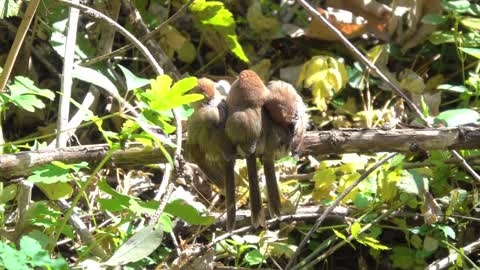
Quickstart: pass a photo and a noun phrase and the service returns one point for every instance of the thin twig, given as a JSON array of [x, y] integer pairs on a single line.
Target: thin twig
[[17, 43], [158, 70], [362, 58], [97, 15], [333, 205], [342, 242], [450, 259], [377, 71], [150, 35]]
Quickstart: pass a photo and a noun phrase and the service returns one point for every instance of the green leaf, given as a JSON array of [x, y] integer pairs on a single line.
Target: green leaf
[[453, 88], [456, 6], [132, 80], [9, 8], [36, 256], [95, 77], [56, 191], [139, 246], [441, 37], [470, 22], [355, 230], [448, 231], [254, 257], [362, 200], [475, 52], [184, 85], [120, 202], [182, 209], [23, 85], [412, 183], [8, 193], [282, 249], [434, 19], [187, 53], [373, 243], [76, 167], [430, 244], [166, 222], [24, 94], [213, 16], [83, 47], [49, 174], [457, 117]]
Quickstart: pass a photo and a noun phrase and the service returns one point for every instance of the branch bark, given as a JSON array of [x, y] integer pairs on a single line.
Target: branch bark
[[316, 142]]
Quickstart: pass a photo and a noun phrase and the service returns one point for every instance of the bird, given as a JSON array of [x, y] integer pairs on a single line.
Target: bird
[[244, 129], [206, 139], [284, 122]]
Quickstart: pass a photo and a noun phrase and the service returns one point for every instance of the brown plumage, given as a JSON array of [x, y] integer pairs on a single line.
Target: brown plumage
[[244, 129], [285, 121], [206, 140]]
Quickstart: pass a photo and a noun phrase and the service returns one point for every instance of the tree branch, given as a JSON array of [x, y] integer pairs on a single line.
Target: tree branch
[[316, 142]]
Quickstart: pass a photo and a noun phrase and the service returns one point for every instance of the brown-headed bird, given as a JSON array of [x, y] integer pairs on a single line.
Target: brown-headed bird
[[206, 139], [244, 129], [285, 121]]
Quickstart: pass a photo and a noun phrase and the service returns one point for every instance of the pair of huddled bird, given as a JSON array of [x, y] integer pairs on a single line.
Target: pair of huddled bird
[[250, 121]]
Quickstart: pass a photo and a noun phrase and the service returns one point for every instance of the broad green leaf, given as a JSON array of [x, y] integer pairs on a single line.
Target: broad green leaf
[[213, 16], [254, 257], [95, 77], [76, 167], [56, 191], [355, 230], [472, 23], [373, 243], [139, 246], [83, 47], [28, 102], [362, 200], [430, 244], [24, 94], [282, 249], [24, 85], [441, 37], [9, 8], [457, 117], [475, 52], [343, 237], [119, 202], [166, 222], [412, 183], [184, 85], [235, 47], [30, 254], [8, 193], [459, 6], [49, 174], [132, 80], [182, 209], [453, 88], [187, 53], [434, 19], [448, 231]]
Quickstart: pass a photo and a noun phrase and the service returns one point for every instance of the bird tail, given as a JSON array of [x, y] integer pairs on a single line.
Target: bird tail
[[258, 214], [230, 194], [273, 193]]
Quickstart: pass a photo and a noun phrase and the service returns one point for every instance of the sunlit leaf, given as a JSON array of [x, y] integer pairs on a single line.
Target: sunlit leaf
[[139, 246]]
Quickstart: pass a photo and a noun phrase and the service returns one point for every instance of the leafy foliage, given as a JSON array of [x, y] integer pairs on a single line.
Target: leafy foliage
[[437, 197], [30, 255]]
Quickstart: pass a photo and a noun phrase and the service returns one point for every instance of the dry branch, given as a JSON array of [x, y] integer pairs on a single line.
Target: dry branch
[[316, 142]]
